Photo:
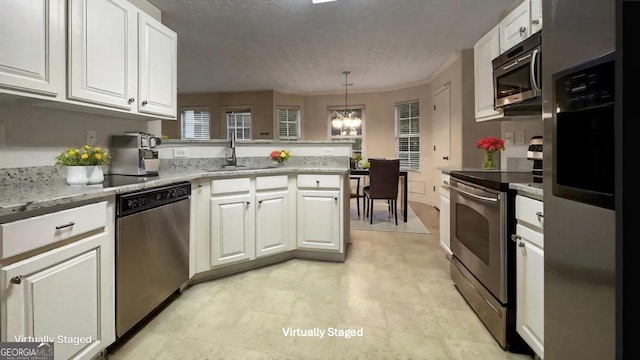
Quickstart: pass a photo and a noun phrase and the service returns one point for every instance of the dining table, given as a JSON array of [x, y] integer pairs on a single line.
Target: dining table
[[404, 185]]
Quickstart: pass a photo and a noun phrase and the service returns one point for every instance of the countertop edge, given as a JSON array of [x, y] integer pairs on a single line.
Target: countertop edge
[[66, 194]]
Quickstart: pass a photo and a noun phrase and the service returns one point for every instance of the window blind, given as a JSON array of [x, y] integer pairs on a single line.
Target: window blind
[[408, 135], [195, 123], [288, 123]]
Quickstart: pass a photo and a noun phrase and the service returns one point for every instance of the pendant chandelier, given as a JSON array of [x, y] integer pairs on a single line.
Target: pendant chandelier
[[347, 121]]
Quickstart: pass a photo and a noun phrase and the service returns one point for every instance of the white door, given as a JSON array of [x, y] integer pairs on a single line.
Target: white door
[[103, 52], [61, 293], [441, 130], [318, 219], [232, 229], [158, 67], [32, 46], [272, 223], [530, 294], [515, 27], [484, 51]]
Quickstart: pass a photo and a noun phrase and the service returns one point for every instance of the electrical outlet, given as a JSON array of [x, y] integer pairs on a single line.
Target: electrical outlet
[[520, 137], [91, 137], [508, 138], [180, 153], [2, 135]]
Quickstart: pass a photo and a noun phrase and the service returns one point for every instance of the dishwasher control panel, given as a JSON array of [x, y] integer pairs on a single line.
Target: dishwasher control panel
[[140, 200]]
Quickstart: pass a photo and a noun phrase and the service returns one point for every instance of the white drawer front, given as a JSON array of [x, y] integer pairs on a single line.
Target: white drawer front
[[318, 181], [225, 186], [530, 235], [530, 211], [25, 235], [271, 182], [444, 184]]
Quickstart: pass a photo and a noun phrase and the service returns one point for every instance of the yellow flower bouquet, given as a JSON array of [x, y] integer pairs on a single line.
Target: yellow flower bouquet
[[279, 155], [85, 156]]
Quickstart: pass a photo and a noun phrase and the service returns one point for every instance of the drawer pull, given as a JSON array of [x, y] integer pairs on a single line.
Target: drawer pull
[[539, 214], [260, 202], [71, 223], [318, 182], [515, 237], [335, 198], [144, 102], [521, 244], [199, 185], [16, 280]]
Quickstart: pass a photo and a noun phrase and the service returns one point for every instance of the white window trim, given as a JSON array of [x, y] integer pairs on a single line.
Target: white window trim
[[298, 123], [223, 115], [411, 135], [194, 108]]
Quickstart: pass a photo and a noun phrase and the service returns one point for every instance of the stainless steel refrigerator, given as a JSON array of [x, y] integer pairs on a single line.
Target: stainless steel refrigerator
[[579, 235]]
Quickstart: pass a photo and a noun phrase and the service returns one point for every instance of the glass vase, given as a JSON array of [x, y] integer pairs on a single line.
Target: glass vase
[[489, 161]]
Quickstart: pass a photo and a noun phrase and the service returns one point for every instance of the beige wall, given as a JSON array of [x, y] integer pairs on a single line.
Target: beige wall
[[261, 105]]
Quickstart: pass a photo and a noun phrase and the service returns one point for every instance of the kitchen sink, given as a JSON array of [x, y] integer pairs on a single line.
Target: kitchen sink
[[240, 167]]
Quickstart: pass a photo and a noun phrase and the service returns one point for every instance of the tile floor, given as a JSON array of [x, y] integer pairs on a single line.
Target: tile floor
[[393, 286]]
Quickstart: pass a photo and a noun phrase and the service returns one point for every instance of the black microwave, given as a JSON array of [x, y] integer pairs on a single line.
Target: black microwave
[[517, 78], [583, 133]]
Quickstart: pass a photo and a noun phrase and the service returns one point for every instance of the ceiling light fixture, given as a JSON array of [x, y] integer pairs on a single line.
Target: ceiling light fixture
[[348, 122], [320, 1]]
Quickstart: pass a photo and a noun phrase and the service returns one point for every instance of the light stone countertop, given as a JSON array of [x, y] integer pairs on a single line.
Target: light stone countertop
[[532, 188], [31, 195]]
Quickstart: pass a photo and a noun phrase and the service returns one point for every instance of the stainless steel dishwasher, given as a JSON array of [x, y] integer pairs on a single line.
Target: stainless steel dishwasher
[[152, 250]]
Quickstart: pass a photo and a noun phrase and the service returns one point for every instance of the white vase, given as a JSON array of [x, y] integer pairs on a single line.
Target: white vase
[[76, 175], [95, 175]]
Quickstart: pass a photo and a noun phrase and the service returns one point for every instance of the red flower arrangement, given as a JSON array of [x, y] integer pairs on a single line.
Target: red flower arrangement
[[490, 143]]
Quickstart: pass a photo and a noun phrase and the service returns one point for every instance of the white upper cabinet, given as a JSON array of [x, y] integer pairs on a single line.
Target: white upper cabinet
[[103, 52], [484, 51], [32, 46], [516, 26], [158, 47], [121, 57], [536, 16]]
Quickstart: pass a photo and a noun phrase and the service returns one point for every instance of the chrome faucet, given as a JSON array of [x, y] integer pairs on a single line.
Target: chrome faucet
[[231, 160]]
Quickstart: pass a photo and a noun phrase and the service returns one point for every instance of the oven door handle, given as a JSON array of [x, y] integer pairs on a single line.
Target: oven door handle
[[478, 197], [534, 82]]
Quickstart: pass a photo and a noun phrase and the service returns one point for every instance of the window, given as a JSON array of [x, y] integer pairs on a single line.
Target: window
[[408, 135], [240, 122], [289, 123], [349, 132], [195, 123]]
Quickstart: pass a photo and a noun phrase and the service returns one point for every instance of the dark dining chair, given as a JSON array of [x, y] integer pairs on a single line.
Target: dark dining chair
[[356, 194], [384, 176]]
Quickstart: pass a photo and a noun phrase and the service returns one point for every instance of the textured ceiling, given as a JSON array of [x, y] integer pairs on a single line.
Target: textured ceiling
[[294, 46]]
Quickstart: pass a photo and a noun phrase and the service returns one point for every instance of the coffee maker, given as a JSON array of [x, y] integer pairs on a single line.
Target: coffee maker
[[535, 153], [134, 154]]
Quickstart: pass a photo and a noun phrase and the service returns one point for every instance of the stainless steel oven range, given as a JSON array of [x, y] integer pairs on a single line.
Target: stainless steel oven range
[[483, 261]]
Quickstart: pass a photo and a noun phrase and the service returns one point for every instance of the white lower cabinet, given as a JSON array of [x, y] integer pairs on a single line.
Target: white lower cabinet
[[62, 294], [445, 214], [232, 229], [319, 219], [530, 273], [272, 222]]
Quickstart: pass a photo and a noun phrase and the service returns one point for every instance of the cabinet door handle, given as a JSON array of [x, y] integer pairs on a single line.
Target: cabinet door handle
[[71, 223], [515, 237], [445, 158], [248, 203], [260, 202], [521, 244], [539, 214], [16, 280], [317, 182], [144, 102], [131, 100], [522, 29], [446, 182], [535, 21], [335, 198], [199, 185]]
